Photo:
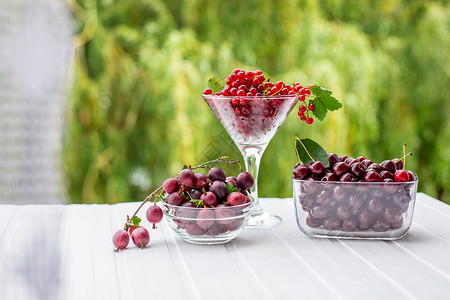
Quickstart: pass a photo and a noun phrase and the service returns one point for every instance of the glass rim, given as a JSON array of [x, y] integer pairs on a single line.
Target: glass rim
[[250, 97], [416, 180], [178, 207]]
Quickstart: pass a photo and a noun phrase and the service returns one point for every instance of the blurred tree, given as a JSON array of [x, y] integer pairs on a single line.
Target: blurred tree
[[137, 115]]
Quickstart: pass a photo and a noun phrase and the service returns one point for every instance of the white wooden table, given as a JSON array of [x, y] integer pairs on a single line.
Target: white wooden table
[[66, 252]]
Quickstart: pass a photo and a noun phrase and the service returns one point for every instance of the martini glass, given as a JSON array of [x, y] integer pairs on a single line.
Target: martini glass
[[251, 122]]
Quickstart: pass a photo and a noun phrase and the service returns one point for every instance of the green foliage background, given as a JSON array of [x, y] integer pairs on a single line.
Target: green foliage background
[[137, 115]]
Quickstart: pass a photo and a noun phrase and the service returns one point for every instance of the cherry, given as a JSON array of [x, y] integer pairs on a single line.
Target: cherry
[[386, 175], [320, 212], [392, 214], [357, 169], [340, 168], [343, 212], [332, 158], [366, 219], [374, 167], [323, 198], [330, 177], [301, 171], [120, 239], [401, 176], [207, 92], [388, 165], [317, 168], [332, 223], [347, 177], [349, 225], [342, 158], [375, 205], [360, 158], [313, 222], [367, 162], [398, 163], [372, 176], [381, 225]]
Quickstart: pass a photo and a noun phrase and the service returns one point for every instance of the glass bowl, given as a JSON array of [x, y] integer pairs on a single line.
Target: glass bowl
[[208, 225], [358, 210]]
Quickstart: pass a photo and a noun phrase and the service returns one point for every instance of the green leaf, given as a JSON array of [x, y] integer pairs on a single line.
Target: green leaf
[[231, 188], [136, 221], [184, 167], [309, 151], [320, 91], [323, 102], [215, 85]]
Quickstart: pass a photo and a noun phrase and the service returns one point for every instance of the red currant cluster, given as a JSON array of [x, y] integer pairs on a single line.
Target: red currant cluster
[[254, 83]]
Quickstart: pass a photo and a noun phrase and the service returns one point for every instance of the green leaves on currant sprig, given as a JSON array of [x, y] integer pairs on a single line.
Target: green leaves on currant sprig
[[323, 102], [216, 85], [309, 151]]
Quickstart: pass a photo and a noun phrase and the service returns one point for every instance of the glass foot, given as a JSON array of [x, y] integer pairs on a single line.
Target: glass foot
[[263, 221]]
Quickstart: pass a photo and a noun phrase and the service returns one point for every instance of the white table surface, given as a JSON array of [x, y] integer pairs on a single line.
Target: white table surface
[[66, 252]]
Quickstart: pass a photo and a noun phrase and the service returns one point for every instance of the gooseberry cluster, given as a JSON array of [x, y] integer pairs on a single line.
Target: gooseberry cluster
[[372, 197], [200, 204], [242, 83], [207, 204]]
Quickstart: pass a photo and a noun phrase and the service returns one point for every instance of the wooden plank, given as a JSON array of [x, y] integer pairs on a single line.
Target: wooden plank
[[31, 259], [153, 272], [77, 270], [348, 275]]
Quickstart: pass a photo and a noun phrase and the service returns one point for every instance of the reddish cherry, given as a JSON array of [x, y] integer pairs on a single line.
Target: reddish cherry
[[401, 176]]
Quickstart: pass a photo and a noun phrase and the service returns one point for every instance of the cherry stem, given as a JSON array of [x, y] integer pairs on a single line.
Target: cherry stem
[[404, 159], [404, 155], [295, 146], [220, 159]]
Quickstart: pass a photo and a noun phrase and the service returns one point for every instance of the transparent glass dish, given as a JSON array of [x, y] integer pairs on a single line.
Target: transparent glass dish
[[251, 122], [208, 225], [354, 210]]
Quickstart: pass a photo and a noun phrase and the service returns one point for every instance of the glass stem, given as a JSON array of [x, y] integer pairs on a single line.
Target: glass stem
[[252, 156]]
